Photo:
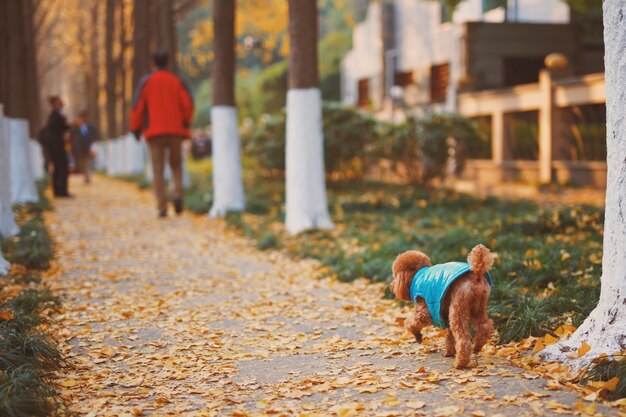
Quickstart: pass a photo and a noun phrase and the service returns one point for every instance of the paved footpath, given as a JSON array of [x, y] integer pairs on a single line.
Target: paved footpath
[[183, 317]]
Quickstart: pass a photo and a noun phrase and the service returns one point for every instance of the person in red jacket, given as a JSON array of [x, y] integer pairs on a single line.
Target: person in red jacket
[[163, 111]]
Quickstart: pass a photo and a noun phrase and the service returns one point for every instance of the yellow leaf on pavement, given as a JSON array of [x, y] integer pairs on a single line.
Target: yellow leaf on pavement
[[588, 409], [415, 405]]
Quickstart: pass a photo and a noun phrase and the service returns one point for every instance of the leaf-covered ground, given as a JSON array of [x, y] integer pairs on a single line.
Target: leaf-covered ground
[[548, 254], [184, 317]]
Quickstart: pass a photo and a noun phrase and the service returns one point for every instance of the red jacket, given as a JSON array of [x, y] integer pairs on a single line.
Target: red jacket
[[162, 106]]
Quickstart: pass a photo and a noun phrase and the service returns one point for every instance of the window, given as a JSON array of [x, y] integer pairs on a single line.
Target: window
[[522, 70], [439, 80], [492, 4], [363, 92], [446, 12], [403, 78]]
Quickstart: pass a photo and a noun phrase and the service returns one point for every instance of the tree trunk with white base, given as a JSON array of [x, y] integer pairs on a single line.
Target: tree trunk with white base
[[306, 206], [605, 328], [36, 154], [5, 267], [7, 220], [228, 194], [23, 188]]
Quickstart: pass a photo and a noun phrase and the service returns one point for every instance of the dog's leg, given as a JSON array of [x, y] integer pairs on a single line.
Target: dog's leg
[[419, 320], [450, 350], [484, 331], [459, 326]]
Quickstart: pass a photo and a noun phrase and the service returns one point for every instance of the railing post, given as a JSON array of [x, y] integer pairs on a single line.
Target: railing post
[[497, 137], [546, 117]]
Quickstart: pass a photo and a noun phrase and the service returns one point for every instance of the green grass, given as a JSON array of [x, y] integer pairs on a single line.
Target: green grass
[[32, 247], [606, 369], [28, 357], [548, 262]]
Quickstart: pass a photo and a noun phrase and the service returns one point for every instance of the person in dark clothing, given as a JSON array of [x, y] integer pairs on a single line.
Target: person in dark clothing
[[83, 136], [56, 127]]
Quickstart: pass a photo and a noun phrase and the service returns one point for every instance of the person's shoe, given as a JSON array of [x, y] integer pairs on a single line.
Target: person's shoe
[[162, 214], [178, 205], [64, 196]]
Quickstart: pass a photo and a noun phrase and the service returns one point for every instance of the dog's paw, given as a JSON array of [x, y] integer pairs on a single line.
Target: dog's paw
[[449, 353], [418, 337]]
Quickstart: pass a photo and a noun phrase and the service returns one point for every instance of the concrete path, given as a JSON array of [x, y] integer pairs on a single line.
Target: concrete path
[[183, 317]]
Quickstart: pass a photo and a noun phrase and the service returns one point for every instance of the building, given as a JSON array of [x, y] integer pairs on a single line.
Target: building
[[433, 55], [488, 63]]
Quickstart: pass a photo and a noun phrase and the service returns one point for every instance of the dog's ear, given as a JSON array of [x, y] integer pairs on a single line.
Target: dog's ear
[[404, 268]]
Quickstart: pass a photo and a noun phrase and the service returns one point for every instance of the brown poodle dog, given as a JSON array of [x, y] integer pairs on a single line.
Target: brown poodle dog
[[459, 300]]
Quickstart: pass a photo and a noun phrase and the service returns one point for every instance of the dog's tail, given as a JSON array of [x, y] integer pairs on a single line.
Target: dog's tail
[[480, 259]]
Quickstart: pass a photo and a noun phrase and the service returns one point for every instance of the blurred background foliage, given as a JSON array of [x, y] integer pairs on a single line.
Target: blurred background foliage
[[262, 50]]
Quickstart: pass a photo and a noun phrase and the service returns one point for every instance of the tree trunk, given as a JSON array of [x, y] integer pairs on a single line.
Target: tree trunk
[[305, 181], [5, 267], [122, 74], [32, 77], [141, 40], [227, 180], [111, 69], [23, 187], [165, 34], [7, 219], [605, 328], [92, 80], [17, 91], [4, 48]]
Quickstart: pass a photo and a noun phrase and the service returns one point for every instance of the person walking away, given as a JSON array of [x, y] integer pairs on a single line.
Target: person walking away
[[56, 128], [83, 135], [163, 111]]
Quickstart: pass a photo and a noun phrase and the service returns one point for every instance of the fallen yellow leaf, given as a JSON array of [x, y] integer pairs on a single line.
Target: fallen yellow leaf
[[69, 383], [6, 315], [415, 405], [588, 409], [548, 339], [539, 346], [583, 349], [611, 384]]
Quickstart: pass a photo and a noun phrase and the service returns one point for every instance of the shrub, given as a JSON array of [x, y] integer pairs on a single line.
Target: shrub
[[267, 241], [419, 149], [265, 139], [401, 146], [348, 135]]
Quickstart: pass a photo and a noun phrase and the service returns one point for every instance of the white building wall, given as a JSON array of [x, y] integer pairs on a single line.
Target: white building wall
[[365, 58]]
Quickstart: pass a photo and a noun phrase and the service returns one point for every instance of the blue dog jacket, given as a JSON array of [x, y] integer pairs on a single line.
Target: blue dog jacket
[[432, 282]]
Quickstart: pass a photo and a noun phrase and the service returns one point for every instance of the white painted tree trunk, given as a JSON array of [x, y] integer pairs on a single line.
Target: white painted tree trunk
[[306, 184], [23, 188], [4, 265], [36, 154], [605, 328], [228, 192], [7, 219]]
